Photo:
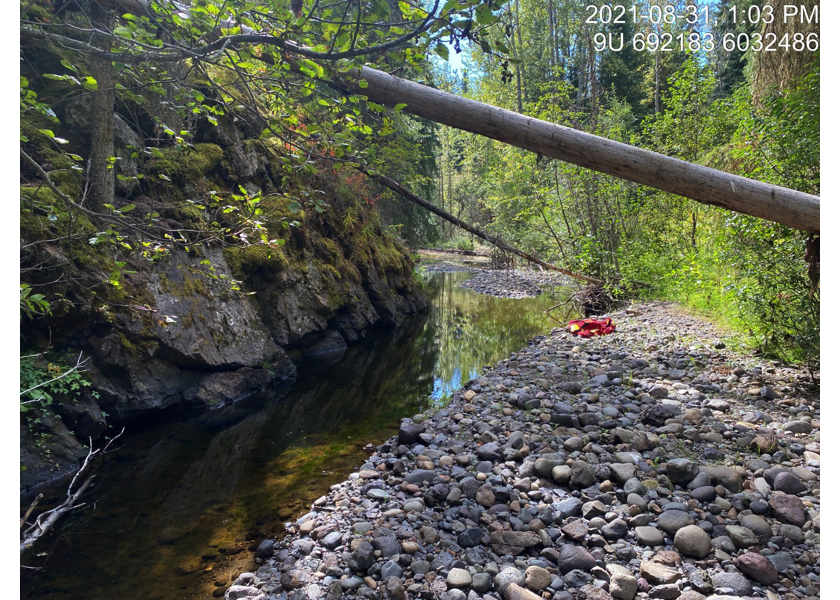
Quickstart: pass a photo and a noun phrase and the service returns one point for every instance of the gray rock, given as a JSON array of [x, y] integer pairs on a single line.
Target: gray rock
[[420, 476], [741, 536], [671, 521], [693, 541], [622, 472], [573, 557], [658, 574], [489, 452], [266, 548], [704, 493], [305, 546], [668, 591], [481, 582], [637, 500], [469, 486], [789, 484], [392, 590], [701, 480], [546, 463], [512, 542], [537, 578], [614, 530], [470, 537], [391, 569], [681, 470], [725, 476], [570, 507], [459, 578], [485, 496], [409, 433], [508, 576], [352, 583], [361, 558], [420, 567], [622, 586], [562, 474], [331, 541], [798, 427], [387, 545], [583, 475], [792, 532], [649, 536], [781, 562], [701, 581], [414, 505], [634, 486], [733, 581], [757, 525], [240, 592], [577, 578]]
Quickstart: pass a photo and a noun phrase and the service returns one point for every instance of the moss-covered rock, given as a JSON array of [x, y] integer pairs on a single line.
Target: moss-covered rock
[[184, 164], [257, 260], [208, 325]]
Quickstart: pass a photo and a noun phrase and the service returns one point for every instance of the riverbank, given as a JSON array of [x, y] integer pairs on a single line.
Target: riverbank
[[649, 463]]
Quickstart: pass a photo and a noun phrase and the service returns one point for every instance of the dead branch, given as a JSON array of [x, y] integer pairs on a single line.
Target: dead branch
[[80, 364], [46, 520], [32, 506], [409, 195]]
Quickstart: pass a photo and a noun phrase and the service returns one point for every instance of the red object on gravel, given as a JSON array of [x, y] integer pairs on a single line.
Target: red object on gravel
[[591, 327]]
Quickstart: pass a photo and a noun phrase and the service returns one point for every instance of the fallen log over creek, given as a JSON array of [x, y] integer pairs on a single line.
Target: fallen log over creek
[[703, 184]]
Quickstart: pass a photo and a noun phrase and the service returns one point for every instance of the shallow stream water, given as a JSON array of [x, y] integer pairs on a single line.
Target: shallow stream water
[[178, 506]]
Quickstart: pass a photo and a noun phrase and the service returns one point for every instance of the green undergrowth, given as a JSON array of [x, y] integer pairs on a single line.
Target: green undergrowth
[[187, 164]]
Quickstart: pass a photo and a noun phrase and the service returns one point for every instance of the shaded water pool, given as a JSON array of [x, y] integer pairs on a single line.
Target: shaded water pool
[[179, 504]]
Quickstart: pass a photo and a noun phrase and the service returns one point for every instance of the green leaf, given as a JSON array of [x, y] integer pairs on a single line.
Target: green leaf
[[157, 153], [294, 206], [484, 15], [127, 208], [47, 133], [60, 77], [400, 106], [449, 5], [89, 83], [381, 8], [24, 82], [442, 51]]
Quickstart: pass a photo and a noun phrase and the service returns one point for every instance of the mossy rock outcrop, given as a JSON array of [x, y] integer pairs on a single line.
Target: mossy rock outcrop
[[205, 327]]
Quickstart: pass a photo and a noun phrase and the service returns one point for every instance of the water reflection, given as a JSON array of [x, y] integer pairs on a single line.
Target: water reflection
[[179, 499]]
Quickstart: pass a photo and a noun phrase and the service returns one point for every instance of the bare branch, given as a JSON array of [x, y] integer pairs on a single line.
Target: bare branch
[[79, 367], [47, 520]]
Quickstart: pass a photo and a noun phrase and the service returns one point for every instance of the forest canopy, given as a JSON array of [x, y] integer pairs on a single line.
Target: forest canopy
[[700, 87]]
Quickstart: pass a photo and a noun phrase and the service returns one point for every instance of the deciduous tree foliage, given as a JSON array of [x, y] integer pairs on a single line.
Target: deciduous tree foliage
[[275, 66], [716, 108]]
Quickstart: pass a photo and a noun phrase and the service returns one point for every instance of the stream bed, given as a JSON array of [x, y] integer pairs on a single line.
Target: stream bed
[[181, 503]]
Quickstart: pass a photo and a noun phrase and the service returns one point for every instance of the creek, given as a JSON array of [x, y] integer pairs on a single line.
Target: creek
[[186, 496]]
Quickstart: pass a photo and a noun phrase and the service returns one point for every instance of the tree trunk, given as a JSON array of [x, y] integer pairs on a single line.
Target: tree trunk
[[519, 64], [709, 186], [100, 170]]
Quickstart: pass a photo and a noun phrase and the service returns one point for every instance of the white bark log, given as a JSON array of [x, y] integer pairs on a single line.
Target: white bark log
[[703, 184]]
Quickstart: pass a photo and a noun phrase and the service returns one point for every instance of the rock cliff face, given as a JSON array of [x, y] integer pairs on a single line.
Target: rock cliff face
[[212, 324]]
